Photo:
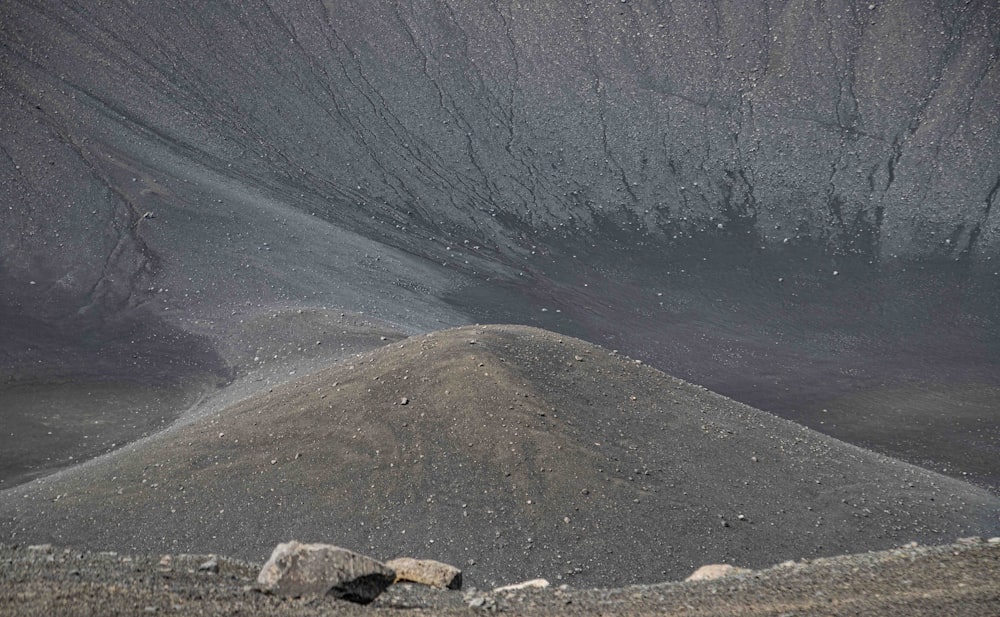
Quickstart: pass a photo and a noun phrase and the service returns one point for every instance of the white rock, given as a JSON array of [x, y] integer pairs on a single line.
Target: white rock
[[535, 583], [714, 571]]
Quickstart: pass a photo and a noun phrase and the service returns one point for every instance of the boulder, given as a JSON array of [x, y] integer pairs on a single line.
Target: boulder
[[426, 572], [297, 569], [714, 571]]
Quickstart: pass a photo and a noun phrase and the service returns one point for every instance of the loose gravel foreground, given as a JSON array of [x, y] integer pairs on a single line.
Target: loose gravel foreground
[[958, 579]]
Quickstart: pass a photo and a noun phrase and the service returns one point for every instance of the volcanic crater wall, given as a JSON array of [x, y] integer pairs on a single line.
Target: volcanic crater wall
[[867, 127]]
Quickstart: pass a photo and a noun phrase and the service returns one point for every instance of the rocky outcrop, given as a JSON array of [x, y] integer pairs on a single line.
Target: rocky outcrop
[[297, 569], [426, 572], [920, 581]]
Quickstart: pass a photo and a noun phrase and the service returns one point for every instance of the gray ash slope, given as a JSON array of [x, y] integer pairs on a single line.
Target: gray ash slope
[[510, 451], [868, 126], [169, 169]]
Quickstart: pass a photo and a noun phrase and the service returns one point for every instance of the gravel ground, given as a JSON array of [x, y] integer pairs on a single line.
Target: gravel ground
[[957, 579]]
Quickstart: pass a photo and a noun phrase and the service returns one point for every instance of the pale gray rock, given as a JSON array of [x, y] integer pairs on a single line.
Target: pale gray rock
[[426, 572], [296, 569]]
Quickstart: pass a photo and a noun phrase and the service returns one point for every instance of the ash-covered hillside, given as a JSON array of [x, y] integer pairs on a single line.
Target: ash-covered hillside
[[792, 204]]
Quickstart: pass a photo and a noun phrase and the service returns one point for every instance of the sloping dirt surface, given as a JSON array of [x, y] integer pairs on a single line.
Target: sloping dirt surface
[[510, 451]]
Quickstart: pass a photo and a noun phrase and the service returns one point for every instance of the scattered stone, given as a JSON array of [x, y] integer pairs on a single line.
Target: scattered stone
[[993, 541], [404, 401], [296, 569], [482, 602], [426, 572], [166, 562], [714, 571], [40, 548], [535, 583], [210, 566], [970, 540]]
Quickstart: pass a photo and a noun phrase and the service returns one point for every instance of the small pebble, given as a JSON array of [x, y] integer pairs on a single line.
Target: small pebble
[[211, 566]]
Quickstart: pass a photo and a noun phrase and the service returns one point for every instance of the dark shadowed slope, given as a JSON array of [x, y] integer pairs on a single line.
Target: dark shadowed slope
[[58, 420], [510, 451]]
